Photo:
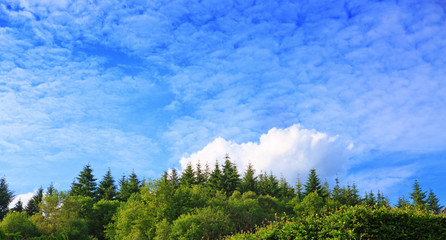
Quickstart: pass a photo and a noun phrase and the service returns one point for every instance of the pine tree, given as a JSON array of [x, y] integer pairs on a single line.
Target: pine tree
[[336, 193], [216, 178], [249, 181], [128, 186], [402, 202], [173, 178], [50, 190], [418, 196], [325, 190], [230, 176], [313, 183], [285, 190], [200, 177], [85, 185], [433, 203], [188, 176], [33, 205], [370, 199], [107, 189], [6, 196], [381, 200], [299, 190], [18, 206], [273, 185]]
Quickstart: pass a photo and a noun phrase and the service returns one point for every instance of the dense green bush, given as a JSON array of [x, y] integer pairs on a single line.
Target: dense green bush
[[358, 222], [18, 222]]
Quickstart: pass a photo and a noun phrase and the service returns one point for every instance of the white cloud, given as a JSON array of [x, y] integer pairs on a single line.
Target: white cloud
[[290, 151], [25, 197]]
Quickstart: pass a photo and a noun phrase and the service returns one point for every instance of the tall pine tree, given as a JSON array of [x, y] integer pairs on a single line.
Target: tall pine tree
[[313, 183], [433, 203], [230, 177], [33, 204], [6, 197], [249, 180], [107, 189], [85, 185], [216, 178], [128, 187], [418, 196], [188, 176]]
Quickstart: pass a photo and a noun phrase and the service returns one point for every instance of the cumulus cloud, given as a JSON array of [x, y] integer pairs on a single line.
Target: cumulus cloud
[[25, 197], [290, 151]]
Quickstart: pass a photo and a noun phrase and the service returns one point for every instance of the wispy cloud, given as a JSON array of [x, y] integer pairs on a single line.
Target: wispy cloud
[[156, 80]]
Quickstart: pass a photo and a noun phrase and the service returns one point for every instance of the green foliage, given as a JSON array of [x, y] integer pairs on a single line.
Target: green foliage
[[188, 176], [128, 187], [107, 188], [357, 222], [230, 177], [433, 203], [18, 222], [18, 207], [313, 183], [203, 223], [33, 204], [216, 178], [85, 185], [418, 196], [6, 197], [249, 180]]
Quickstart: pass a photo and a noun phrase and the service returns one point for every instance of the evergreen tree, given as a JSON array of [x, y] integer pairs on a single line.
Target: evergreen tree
[[33, 204], [336, 193], [249, 181], [216, 178], [381, 200], [299, 190], [370, 199], [230, 176], [418, 196], [128, 187], [402, 202], [200, 177], [313, 183], [6, 196], [18, 207], [188, 176], [263, 184], [433, 203], [107, 189], [273, 185], [50, 190], [285, 190], [173, 178], [85, 185], [325, 192]]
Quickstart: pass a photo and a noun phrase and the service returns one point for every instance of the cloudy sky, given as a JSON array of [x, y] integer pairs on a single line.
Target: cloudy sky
[[352, 88]]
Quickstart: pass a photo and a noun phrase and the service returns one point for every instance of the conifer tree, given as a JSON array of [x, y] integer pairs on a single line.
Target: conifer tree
[[85, 185], [299, 190], [33, 204], [18, 206], [249, 181], [128, 186], [273, 185], [418, 196], [381, 200], [188, 176], [107, 189], [336, 193], [370, 199], [230, 176], [325, 192], [285, 190], [50, 190], [200, 177], [6, 196], [173, 178], [402, 202], [433, 203], [313, 183], [216, 178], [262, 184]]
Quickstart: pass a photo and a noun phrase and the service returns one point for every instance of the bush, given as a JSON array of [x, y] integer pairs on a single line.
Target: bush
[[18, 222]]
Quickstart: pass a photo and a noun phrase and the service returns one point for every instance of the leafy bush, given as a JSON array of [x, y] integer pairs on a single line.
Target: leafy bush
[[18, 222]]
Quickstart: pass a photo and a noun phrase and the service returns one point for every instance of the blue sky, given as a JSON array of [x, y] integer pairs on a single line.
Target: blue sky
[[353, 88]]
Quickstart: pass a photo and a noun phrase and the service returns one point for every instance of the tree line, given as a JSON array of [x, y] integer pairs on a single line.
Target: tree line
[[198, 203]]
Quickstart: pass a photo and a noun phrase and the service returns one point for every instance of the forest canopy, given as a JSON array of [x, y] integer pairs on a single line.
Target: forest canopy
[[200, 203]]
